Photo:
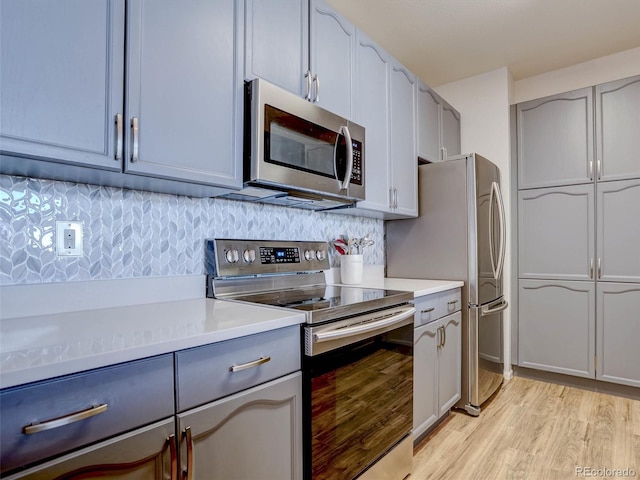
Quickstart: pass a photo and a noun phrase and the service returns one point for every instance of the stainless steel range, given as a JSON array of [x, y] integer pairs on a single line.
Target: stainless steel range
[[358, 354]]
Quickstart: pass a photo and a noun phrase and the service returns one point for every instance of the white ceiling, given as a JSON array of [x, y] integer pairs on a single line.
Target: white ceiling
[[448, 40]]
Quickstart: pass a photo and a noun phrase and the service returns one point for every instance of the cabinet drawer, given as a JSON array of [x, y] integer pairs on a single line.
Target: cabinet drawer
[[451, 301], [136, 393], [428, 309], [204, 373]]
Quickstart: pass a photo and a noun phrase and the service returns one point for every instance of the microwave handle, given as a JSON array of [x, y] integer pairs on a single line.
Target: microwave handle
[[344, 130]]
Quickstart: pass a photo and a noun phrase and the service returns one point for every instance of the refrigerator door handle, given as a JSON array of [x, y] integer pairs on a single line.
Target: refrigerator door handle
[[494, 270], [495, 307], [503, 228]]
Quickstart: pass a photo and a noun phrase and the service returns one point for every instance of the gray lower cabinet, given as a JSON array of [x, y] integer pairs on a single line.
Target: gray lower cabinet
[[617, 126], [618, 355], [255, 434], [557, 326], [555, 140], [555, 233], [437, 366], [147, 453], [618, 233], [61, 68]]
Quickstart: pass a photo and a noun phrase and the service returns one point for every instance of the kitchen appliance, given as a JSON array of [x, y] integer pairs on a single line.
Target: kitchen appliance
[[358, 354], [298, 154], [460, 235]]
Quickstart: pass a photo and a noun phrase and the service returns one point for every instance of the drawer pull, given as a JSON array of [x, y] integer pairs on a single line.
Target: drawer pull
[[452, 302], [244, 366], [66, 420], [427, 310]]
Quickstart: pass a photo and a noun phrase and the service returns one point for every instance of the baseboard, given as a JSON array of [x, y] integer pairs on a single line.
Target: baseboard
[[578, 382]]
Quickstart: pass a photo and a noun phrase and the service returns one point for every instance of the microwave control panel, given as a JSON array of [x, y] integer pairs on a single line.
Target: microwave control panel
[[356, 172]]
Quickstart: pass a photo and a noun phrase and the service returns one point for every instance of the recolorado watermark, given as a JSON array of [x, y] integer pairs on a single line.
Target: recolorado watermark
[[591, 472]]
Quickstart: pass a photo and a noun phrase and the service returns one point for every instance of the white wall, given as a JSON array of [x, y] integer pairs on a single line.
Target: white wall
[[483, 102], [601, 70]]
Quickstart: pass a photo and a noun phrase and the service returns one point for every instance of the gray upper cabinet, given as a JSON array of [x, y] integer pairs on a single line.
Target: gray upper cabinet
[[277, 43], [618, 234], [61, 67], [618, 332], [332, 58], [429, 124], [371, 110], [555, 233], [555, 140], [557, 326], [438, 126], [184, 97], [402, 137], [450, 130], [617, 127]]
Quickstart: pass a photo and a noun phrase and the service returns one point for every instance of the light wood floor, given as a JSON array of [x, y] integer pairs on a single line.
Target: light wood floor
[[534, 430]]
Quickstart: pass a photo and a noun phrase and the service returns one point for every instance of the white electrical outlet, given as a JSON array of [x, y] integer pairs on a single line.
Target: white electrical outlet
[[69, 239]]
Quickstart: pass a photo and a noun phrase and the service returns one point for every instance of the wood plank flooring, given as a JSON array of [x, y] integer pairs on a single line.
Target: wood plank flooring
[[534, 430]]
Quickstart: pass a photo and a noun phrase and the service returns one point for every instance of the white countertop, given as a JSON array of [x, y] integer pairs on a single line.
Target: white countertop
[[44, 346], [57, 329]]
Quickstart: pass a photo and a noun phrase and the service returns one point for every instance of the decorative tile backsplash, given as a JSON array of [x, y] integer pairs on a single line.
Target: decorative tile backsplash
[[129, 233]]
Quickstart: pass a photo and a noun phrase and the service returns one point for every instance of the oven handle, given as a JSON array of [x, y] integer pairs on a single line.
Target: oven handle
[[367, 327]]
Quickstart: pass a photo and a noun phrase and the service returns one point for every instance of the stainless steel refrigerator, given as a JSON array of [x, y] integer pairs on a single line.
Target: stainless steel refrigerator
[[460, 235]]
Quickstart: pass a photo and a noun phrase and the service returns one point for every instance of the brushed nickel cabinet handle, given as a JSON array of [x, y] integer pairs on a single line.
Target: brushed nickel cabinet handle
[[444, 336], [391, 198], [118, 137], [134, 139], [307, 76], [427, 310], [395, 197], [599, 169], [316, 80], [452, 302], [590, 169], [599, 268], [173, 452], [188, 473], [591, 268], [65, 420], [254, 363]]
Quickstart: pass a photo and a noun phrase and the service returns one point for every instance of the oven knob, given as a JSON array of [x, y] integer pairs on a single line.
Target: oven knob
[[321, 255], [249, 256], [309, 255], [232, 256]]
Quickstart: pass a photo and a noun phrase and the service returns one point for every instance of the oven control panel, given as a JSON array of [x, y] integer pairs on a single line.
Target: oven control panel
[[230, 257]]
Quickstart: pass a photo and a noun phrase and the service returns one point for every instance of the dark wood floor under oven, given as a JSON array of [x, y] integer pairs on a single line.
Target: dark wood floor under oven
[[535, 430]]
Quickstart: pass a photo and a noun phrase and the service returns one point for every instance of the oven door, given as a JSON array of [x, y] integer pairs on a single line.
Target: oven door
[[301, 146], [358, 392]]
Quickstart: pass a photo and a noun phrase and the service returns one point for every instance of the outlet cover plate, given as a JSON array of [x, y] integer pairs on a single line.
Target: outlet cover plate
[[77, 249]]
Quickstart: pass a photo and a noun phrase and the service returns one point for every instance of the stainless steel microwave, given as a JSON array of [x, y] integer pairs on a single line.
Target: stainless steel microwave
[[297, 153]]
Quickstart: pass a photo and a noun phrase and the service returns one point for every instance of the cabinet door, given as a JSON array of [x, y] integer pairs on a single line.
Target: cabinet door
[[555, 233], [617, 127], [429, 129], [253, 434], [277, 43], [332, 57], [618, 332], [557, 326], [371, 110], [618, 212], [404, 162], [144, 454], [555, 140], [450, 362], [450, 130], [183, 90], [425, 371], [61, 68]]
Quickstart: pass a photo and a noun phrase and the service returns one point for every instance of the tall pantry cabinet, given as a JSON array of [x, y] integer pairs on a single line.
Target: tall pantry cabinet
[[579, 232]]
